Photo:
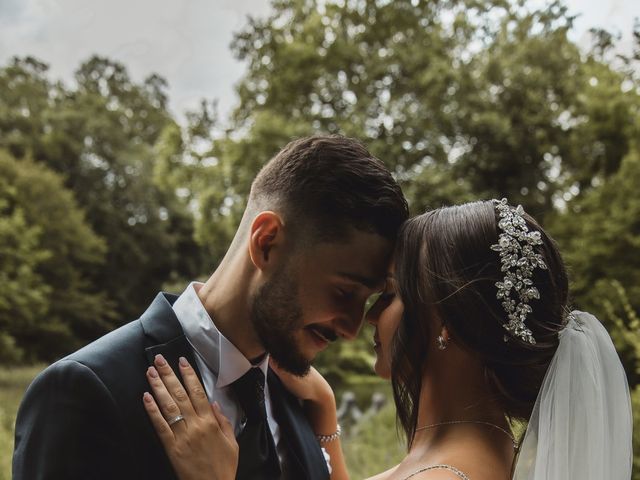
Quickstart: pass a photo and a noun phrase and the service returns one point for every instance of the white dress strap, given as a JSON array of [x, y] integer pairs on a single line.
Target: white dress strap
[[440, 467]]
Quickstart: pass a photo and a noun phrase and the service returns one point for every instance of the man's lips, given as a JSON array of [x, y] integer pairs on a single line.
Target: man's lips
[[326, 334]]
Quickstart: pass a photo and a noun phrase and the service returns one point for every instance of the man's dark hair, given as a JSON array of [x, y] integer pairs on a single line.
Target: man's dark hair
[[325, 184]]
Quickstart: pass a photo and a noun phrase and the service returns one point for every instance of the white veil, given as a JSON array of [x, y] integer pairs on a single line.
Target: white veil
[[581, 425]]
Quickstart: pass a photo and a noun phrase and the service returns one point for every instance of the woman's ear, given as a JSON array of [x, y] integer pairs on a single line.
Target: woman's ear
[[445, 334], [443, 338], [266, 235]]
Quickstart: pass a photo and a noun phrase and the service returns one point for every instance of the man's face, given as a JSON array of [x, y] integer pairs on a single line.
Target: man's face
[[318, 296]]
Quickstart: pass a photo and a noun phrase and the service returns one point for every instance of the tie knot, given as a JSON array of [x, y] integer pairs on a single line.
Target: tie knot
[[249, 390]]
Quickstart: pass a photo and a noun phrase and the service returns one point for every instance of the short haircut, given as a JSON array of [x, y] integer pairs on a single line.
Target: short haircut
[[323, 185]]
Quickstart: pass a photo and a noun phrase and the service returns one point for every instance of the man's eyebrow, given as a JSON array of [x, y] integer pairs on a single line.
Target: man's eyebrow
[[366, 281]]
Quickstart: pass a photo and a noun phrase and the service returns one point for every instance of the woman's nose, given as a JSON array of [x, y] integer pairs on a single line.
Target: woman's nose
[[371, 316]]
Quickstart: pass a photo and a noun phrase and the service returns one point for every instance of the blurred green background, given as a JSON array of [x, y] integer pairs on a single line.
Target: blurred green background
[[106, 197]]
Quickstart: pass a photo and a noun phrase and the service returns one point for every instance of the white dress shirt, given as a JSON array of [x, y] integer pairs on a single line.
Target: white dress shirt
[[221, 363]]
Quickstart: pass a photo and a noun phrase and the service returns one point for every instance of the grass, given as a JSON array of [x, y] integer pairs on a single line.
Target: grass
[[13, 383]]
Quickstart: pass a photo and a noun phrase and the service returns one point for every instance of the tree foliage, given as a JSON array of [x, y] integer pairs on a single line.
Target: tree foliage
[[461, 98], [48, 302], [101, 136], [600, 235]]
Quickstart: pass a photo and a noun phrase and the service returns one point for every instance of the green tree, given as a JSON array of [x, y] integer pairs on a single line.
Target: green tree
[[101, 135], [606, 113], [462, 99], [49, 304], [24, 95], [186, 167], [24, 296], [599, 233], [626, 335]]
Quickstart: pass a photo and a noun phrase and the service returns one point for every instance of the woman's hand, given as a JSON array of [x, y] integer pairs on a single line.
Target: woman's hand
[[201, 444], [320, 410], [317, 394], [312, 387]]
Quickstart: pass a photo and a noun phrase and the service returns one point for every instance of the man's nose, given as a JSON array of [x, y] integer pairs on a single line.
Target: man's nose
[[348, 326]]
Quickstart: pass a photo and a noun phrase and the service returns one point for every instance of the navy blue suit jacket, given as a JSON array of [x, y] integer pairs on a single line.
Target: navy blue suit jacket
[[83, 417]]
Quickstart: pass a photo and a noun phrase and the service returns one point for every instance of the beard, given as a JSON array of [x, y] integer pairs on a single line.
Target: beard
[[276, 316]]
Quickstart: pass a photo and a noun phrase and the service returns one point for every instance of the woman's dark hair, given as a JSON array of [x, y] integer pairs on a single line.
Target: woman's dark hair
[[446, 269]]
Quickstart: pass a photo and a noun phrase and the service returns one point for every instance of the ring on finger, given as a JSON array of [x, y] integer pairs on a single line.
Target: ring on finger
[[175, 420]]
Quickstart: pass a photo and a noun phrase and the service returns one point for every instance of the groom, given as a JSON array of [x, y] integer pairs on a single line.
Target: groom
[[312, 246]]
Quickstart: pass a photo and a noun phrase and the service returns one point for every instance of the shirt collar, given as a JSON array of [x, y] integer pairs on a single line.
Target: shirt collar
[[222, 357]]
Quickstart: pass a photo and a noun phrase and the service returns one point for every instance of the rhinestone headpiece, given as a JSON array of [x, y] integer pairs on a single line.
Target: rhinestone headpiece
[[517, 260]]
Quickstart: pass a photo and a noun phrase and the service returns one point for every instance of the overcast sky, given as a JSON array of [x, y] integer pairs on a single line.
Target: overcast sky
[[187, 42]]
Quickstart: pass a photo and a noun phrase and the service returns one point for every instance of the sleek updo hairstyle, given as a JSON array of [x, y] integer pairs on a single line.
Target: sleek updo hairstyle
[[446, 268]]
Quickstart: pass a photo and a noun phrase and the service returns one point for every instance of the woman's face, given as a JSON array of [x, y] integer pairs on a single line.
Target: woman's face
[[385, 316]]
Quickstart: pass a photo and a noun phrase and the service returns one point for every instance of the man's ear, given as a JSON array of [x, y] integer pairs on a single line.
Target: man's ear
[[266, 235]]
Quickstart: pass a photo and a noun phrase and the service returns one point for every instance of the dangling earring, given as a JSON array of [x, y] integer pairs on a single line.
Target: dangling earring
[[442, 342]]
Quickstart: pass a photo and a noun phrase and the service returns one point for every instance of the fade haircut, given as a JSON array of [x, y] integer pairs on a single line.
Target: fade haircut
[[323, 185]]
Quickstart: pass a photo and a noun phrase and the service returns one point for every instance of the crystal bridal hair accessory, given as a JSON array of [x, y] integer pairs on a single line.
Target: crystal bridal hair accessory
[[581, 424], [517, 261]]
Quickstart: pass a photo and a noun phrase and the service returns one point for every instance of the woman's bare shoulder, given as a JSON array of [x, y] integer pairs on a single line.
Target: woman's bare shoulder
[[457, 467], [475, 460], [435, 474], [400, 474]]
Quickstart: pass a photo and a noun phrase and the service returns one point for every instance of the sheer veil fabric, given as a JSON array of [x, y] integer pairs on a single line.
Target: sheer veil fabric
[[581, 425]]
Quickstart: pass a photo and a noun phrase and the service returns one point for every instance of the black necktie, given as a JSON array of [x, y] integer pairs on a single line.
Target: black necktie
[[258, 457]]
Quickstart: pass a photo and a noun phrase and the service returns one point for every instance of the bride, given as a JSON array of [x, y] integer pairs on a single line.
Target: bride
[[474, 332]]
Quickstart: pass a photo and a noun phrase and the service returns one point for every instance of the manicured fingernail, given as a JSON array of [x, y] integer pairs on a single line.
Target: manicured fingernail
[[183, 362], [153, 372], [216, 406], [160, 360], [147, 397]]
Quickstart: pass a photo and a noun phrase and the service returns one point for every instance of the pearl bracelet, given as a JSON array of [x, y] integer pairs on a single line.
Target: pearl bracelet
[[330, 438]]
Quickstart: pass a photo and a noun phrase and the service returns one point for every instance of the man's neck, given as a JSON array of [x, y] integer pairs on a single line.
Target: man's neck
[[225, 297]]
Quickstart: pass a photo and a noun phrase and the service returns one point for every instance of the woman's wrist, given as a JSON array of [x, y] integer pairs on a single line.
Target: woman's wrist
[[322, 413], [331, 437]]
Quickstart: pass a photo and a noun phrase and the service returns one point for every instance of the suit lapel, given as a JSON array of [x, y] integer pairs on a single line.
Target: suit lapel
[[305, 455], [165, 335]]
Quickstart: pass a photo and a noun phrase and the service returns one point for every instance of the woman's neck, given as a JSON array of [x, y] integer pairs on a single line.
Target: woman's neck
[[462, 398]]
